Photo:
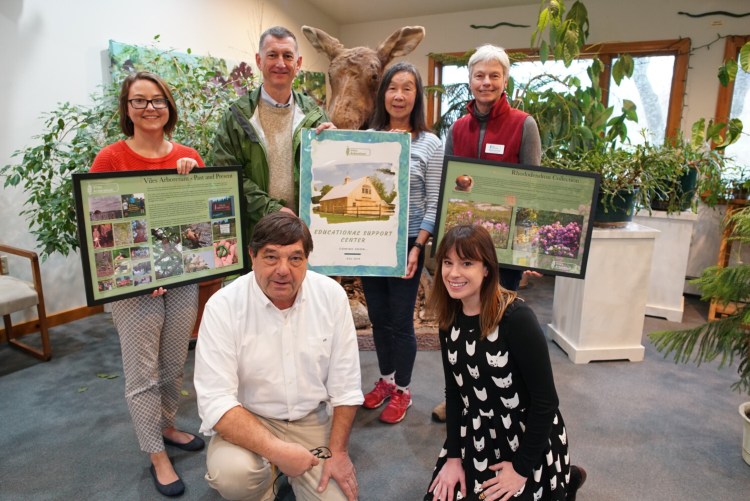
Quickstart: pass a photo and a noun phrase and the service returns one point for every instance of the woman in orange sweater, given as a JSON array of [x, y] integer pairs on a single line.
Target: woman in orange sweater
[[154, 329]]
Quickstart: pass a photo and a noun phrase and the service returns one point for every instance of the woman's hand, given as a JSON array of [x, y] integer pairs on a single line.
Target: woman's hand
[[450, 474], [186, 164], [159, 292], [411, 262], [325, 125], [505, 484]]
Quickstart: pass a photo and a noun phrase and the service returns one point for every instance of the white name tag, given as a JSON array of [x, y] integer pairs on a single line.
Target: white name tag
[[495, 149]]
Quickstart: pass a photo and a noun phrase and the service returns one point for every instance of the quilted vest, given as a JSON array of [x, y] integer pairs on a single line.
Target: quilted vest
[[502, 137]]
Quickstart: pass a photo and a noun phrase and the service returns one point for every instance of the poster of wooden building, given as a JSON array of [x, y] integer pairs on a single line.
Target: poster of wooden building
[[354, 192]]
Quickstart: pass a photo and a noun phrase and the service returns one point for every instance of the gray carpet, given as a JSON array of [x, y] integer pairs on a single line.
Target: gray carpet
[[644, 431]]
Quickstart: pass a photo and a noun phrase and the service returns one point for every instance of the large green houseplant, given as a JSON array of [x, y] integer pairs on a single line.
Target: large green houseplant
[[577, 129], [579, 132], [727, 337], [73, 134]]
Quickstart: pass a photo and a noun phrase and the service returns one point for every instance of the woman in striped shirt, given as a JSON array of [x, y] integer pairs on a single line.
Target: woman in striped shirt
[[400, 108]]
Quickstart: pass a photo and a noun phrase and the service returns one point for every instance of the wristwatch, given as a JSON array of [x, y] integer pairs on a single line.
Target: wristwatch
[[419, 245]]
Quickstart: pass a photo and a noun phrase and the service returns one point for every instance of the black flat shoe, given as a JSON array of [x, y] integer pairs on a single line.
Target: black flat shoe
[[176, 488], [196, 444], [577, 478]]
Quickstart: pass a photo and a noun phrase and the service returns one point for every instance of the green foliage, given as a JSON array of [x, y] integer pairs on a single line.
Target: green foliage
[[725, 338], [728, 70], [745, 57], [73, 134], [379, 186], [566, 33]]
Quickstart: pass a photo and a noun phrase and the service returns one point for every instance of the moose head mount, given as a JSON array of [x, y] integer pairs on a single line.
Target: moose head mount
[[354, 74]]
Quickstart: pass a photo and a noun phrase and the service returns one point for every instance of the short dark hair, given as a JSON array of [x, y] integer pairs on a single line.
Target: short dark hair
[[380, 117], [277, 32], [280, 228], [126, 124]]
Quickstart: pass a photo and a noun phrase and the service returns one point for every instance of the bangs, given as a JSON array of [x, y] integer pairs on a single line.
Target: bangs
[[467, 249]]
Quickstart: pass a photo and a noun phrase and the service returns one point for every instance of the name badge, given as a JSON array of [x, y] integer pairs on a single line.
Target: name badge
[[495, 149]]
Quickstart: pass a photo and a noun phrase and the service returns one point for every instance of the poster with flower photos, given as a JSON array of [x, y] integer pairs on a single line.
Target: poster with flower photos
[[141, 230], [539, 218]]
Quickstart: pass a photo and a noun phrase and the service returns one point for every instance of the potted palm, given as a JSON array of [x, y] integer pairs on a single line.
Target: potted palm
[[728, 338]]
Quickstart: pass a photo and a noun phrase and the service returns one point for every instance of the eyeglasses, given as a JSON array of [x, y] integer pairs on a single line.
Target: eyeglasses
[[319, 452], [140, 104]]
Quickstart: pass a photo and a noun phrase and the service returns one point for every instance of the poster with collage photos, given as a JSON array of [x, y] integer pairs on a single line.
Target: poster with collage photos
[[141, 230]]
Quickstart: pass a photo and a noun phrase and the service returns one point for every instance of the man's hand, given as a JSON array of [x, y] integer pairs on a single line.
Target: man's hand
[[294, 460], [340, 468]]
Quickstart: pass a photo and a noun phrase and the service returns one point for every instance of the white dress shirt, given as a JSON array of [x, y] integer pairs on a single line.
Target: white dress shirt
[[279, 364]]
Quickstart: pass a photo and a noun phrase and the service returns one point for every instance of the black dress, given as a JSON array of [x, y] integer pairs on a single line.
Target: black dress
[[502, 405]]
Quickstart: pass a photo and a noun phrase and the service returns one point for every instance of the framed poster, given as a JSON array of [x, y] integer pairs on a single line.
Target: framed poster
[[354, 196], [141, 230], [539, 218]]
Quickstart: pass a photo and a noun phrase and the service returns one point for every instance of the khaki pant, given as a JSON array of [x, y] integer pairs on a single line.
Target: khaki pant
[[241, 475]]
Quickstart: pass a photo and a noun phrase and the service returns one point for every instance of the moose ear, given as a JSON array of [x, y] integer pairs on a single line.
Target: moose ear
[[401, 43], [323, 42]]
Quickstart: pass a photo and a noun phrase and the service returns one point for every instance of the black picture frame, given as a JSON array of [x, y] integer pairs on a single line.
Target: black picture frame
[[144, 229], [541, 219]]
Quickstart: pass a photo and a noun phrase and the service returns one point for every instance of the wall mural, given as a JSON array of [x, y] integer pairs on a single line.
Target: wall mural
[[127, 57]]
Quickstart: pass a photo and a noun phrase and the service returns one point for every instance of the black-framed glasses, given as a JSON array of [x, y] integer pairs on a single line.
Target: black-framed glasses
[[158, 104], [321, 452]]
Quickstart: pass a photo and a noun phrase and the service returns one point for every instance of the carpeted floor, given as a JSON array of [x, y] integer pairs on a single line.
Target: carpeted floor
[[647, 431]]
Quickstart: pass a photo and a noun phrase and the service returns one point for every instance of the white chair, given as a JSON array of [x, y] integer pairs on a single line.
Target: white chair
[[17, 295]]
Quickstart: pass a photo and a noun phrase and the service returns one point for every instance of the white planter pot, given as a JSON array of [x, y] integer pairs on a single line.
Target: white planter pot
[[744, 409]]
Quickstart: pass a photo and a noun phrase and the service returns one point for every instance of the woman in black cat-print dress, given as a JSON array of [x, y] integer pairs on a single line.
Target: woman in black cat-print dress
[[505, 434]]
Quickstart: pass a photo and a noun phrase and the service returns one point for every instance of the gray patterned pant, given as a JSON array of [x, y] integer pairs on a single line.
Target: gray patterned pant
[[154, 336]]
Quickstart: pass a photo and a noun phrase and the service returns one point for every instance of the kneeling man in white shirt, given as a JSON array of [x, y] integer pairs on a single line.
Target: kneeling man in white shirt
[[276, 350]]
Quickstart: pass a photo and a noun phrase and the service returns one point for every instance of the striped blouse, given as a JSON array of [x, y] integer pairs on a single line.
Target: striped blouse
[[425, 172]]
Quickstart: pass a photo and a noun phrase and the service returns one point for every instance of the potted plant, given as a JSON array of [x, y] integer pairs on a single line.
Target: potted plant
[[727, 338]]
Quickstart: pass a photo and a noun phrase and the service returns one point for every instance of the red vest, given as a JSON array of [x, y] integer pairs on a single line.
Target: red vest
[[502, 137]]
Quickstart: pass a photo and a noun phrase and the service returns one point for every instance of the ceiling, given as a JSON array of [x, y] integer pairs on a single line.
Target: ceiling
[[358, 11]]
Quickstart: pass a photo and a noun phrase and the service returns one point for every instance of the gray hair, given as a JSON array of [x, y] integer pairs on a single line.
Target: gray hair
[[487, 53]]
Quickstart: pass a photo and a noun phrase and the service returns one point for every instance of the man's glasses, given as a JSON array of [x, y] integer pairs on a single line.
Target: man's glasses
[[319, 452], [140, 104]]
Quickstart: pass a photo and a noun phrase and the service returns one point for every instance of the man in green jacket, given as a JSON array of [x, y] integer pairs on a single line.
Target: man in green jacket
[[261, 130]]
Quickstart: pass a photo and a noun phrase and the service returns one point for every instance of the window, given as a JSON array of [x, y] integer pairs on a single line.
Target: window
[[657, 87], [734, 102]]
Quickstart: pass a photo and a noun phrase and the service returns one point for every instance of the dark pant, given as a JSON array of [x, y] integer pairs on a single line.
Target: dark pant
[[390, 305], [509, 278]]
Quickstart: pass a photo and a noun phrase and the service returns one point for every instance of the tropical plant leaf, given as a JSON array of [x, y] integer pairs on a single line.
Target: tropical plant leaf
[[745, 57]]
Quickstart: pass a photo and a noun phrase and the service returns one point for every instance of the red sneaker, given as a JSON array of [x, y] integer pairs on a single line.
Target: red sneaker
[[395, 411], [377, 396]]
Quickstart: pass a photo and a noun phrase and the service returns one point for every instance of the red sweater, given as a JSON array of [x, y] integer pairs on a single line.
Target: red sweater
[[119, 157], [502, 137]]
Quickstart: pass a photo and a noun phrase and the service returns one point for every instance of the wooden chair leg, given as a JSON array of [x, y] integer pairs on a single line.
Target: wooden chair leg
[[44, 354]]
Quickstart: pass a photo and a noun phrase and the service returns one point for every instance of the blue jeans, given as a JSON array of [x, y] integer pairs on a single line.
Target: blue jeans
[[390, 305]]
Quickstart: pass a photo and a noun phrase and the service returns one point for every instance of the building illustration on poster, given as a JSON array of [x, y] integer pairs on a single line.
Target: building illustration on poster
[[354, 188]]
